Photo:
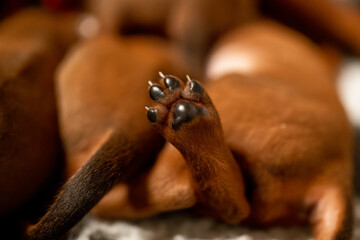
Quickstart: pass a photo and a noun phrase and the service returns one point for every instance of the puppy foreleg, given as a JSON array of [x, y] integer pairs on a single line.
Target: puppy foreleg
[[186, 117]]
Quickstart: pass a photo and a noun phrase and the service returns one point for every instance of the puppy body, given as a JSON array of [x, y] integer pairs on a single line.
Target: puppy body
[[195, 25], [102, 94], [286, 125], [31, 46], [192, 25], [112, 88], [268, 152]]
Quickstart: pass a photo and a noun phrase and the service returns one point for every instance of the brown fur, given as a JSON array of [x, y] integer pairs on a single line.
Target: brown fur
[[323, 20], [30, 49], [113, 111], [272, 146], [286, 143], [266, 150], [192, 25], [195, 25]]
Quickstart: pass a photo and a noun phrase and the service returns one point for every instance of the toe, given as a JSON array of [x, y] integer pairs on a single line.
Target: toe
[[151, 114], [171, 83], [196, 87], [194, 91], [156, 92]]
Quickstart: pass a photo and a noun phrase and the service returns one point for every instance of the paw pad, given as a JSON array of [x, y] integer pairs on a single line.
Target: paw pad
[[177, 103], [184, 112]]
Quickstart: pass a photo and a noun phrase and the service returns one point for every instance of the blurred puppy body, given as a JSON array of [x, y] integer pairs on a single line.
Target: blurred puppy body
[[290, 150], [31, 46], [192, 25], [195, 25]]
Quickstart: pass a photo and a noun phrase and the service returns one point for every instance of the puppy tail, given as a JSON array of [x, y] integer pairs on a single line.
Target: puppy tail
[[115, 161]]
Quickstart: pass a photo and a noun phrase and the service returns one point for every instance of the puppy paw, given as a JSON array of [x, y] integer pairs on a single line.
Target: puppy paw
[[180, 107]]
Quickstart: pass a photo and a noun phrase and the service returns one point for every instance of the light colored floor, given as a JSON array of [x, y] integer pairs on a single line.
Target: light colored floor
[[182, 226]]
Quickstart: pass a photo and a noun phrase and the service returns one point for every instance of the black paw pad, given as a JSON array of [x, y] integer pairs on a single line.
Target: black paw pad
[[195, 86], [151, 114], [156, 92], [185, 112], [171, 83]]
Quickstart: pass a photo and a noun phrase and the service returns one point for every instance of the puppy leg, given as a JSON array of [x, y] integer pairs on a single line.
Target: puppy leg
[[332, 215], [186, 117], [116, 160], [166, 186]]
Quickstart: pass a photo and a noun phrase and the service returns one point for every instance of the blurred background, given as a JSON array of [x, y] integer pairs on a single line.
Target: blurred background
[[194, 26], [335, 28]]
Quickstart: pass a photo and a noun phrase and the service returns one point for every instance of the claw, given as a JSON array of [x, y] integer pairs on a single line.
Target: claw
[[147, 108], [161, 75], [188, 77], [150, 83]]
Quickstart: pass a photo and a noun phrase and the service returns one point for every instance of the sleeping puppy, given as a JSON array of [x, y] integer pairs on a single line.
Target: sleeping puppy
[[266, 143]]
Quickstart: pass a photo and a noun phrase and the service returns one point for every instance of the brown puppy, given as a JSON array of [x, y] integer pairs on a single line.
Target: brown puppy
[[290, 131], [31, 45], [276, 150], [102, 94]]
